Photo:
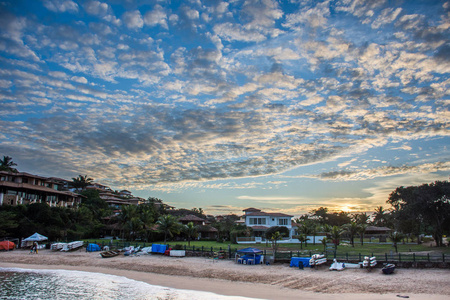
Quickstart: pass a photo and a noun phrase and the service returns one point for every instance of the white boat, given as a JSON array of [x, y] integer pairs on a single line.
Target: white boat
[[337, 266], [317, 259], [72, 246], [57, 246], [369, 262]]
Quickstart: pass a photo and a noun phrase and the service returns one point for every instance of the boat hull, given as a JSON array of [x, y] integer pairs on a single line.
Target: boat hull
[[388, 269], [108, 254]]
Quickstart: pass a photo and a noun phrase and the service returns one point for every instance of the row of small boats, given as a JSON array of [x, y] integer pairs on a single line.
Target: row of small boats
[[368, 263], [127, 251], [66, 246]]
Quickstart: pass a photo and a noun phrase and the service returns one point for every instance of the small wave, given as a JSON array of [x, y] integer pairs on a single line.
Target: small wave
[[33, 284]]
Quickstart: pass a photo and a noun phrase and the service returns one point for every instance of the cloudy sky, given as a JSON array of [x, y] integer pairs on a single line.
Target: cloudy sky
[[281, 105]]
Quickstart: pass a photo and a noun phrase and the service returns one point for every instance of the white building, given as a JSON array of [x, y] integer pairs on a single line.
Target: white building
[[261, 221]]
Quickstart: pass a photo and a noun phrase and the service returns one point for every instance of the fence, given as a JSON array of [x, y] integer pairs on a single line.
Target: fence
[[401, 259]]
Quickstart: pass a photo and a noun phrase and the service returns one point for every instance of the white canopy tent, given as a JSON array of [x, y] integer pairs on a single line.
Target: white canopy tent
[[36, 237]]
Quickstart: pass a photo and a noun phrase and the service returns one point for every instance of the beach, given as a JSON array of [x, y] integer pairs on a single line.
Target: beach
[[225, 277]]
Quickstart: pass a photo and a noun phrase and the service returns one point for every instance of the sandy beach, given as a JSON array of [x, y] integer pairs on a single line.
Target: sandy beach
[[277, 281]]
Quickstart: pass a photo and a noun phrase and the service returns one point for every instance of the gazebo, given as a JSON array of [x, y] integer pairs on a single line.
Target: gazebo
[[36, 237], [250, 256]]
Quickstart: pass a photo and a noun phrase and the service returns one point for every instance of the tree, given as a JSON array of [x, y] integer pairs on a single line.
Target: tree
[[379, 216], [190, 231], [274, 237], [6, 164], [97, 205], [81, 182], [148, 216], [362, 231], [239, 230], [424, 208], [8, 222], [306, 228], [361, 219], [321, 214], [352, 229], [198, 212], [335, 235], [395, 237], [282, 231], [302, 238], [169, 225]]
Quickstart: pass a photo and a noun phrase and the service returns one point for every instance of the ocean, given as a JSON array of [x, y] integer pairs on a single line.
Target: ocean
[[61, 284]]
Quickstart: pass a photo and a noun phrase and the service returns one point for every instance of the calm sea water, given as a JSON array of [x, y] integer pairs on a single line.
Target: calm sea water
[[62, 284]]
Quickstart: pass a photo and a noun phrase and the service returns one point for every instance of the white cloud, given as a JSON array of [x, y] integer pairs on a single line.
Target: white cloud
[[79, 79], [315, 17], [133, 19], [61, 6], [96, 8], [234, 32], [387, 16], [156, 17]]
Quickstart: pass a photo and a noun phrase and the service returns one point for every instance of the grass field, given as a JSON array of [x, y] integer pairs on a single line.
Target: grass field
[[342, 249]]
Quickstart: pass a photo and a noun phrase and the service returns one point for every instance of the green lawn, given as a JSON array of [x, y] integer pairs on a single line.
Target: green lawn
[[376, 249]]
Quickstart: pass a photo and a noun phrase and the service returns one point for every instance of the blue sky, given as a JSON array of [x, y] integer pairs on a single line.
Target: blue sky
[[281, 105]]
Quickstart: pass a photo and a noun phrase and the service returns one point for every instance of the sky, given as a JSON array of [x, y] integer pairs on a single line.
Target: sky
[[285, 106]]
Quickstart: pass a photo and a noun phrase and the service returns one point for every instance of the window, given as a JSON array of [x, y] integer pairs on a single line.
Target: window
[[257, 221], [283, 222]]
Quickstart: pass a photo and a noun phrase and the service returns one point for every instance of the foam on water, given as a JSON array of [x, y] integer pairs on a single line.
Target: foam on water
[[62, 284]]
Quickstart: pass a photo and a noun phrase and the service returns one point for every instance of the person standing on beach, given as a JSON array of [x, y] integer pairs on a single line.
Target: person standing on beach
[[35, 246]]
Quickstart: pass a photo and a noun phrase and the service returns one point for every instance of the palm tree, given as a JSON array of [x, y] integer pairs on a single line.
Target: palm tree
[[362, 230], [81, 182], [274, 239], [190, 231], [148, 218], [380, 217], [129, 218], [352, 229], [395, 237], [324, 243], [302, 239], [306, 228], [169, 225], [6, 164], [335, 235]]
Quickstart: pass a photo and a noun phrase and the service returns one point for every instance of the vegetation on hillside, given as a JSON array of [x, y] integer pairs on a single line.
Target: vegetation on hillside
[[414, 211]]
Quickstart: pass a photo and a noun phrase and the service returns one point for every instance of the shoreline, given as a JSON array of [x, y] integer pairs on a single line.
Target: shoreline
[[224, 277]]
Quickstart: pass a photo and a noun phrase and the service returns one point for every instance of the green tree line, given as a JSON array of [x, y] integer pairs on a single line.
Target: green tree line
[[413, 211]]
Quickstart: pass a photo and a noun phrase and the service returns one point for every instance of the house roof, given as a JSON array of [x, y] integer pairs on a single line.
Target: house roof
[[264, 214], [260, 227], [375, 228], [191, 218], [33, 187], [206, 228], [251, 209]]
